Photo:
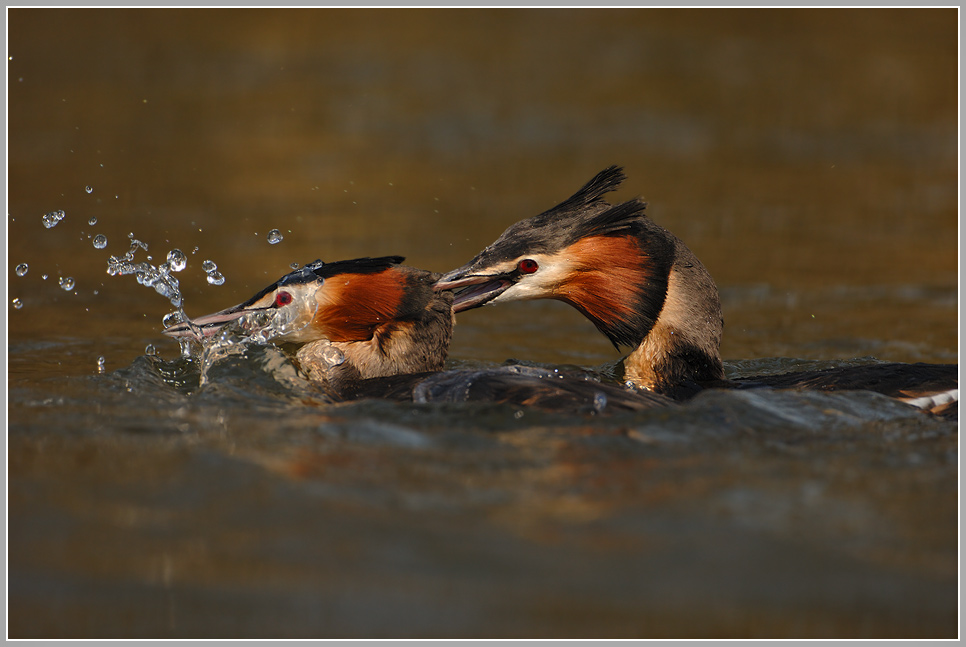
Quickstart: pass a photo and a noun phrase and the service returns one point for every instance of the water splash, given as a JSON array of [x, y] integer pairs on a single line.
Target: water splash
[[51, 219], [275, 237], [159, 278], [259, 327], [21, 269], [318, 358], [173, 319], [100, 241]]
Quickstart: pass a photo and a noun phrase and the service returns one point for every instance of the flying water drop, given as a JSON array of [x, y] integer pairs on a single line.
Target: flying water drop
[[274, 237], [177, 260], [67, 283], [51, 219], [172, 318], [21, 269], [17, 303], [92, 221], [89, 188], [216, 278], [100, 241]]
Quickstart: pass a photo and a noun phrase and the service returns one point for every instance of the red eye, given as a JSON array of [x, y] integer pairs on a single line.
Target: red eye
[[528, 266], [282, 299]]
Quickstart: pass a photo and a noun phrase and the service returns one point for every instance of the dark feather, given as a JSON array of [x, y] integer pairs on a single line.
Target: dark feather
[[591, 193], [511, 385]]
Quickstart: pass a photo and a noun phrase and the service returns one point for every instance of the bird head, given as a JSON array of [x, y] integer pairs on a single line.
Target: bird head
[[608, 261]]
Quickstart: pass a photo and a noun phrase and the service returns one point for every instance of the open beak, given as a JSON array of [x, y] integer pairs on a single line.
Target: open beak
[[473, 290]]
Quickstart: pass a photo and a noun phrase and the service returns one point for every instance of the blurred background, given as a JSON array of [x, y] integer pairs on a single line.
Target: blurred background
[[808, 157]]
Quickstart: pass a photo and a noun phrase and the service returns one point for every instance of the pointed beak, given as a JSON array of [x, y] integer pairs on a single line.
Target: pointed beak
[[474, 289], [286, 309], [207, 326]]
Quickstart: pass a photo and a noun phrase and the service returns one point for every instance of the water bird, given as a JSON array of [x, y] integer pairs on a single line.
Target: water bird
[[646, 291], [372, 327]]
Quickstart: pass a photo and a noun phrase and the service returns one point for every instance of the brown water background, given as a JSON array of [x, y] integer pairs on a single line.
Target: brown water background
[[808, 157]]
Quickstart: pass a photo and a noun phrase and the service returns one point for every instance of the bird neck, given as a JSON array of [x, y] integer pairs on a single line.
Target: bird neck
[[681, 350]]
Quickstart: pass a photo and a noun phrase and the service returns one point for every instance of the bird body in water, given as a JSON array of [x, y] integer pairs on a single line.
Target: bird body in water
[[645, 290], [371, 327], [349, 320]]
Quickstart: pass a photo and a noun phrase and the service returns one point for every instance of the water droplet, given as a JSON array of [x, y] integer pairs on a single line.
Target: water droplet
[[100, 364], [274, 237], [600, 402], [333, 357], [17, 303], [172, 318], [100, 241], [177, 260], [294, 266], [21, 269], [209, 267], [51, 219], [92, 221], [150, 350], [43, 276], [66, 282], [89, 189], [216, 278]]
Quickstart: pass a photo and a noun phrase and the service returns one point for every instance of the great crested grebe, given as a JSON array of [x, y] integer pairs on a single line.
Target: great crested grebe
[[645, 290], [370, 327]]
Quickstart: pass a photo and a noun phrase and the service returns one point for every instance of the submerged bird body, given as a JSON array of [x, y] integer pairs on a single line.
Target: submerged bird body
[[645, 290]]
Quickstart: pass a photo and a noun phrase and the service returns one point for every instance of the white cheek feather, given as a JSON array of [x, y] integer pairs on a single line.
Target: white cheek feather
[[543, 283]]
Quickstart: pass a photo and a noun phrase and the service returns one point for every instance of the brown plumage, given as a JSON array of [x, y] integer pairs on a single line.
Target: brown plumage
[[372, 328], [644, 289], [638, 283], [350, 320]]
